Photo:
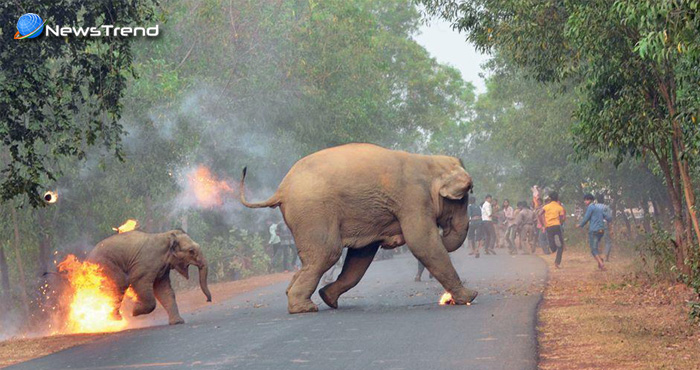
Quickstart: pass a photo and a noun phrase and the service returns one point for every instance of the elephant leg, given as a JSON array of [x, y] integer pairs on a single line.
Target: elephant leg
[[316, 258], [356, 263], [120, 286], [145, 298], [424, 242], [166, 296], [291, 282]]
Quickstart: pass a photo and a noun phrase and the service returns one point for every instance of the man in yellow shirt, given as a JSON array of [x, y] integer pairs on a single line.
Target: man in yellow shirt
[[554, 216]]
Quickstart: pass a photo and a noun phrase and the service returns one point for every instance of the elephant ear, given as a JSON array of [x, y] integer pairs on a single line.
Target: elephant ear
[[453, 185], [456, 184], [173, 246]]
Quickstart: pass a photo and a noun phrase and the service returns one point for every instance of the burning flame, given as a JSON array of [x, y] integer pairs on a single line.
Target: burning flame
[[129, 225], [91, 301], [129, 293], [50, 197], [446, 299], [206, 188]]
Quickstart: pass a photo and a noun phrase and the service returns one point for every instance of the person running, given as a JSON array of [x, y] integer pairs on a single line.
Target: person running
[[474, 233], [608, 227], [509, 223], [554, 216], [487, 225], [540, 233], [595, 217], [525, 224]]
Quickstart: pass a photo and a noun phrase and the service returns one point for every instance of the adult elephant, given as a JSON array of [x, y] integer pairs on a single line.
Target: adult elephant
[[143, 261], [362, 197]]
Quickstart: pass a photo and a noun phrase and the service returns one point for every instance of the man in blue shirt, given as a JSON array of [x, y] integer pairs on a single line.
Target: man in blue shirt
[[596, 217], [608, 227]]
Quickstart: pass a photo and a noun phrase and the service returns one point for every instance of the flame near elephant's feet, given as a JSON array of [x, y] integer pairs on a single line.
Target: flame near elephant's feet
[[466, 298]]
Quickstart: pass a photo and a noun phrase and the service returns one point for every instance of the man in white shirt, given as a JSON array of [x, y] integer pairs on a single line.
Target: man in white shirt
[[487, 225], [275, 242]]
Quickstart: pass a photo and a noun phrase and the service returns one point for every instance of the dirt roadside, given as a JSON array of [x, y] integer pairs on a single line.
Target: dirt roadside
[[19, 350], [612, 320]]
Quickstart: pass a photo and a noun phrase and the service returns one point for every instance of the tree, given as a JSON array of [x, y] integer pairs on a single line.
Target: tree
[[630, 62], [58, 96]]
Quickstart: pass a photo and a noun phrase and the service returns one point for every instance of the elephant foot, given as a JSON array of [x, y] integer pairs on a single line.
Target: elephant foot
[[464, 296], [143, 309], [332, 302], [302, 307], [176, 321]]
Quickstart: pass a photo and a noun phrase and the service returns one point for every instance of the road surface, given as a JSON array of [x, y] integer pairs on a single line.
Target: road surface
[[387, 322]]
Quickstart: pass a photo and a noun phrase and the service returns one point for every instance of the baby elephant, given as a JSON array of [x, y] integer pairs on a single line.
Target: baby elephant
[[143, 261]]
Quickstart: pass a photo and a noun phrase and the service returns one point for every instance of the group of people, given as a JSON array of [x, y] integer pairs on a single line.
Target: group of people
[[491, 225], [539, 222]]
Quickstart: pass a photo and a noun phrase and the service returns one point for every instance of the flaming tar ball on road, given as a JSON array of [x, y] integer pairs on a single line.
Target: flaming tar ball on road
[[50, 197]]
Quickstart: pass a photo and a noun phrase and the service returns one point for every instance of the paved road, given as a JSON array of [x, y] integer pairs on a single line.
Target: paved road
[[387, 322]]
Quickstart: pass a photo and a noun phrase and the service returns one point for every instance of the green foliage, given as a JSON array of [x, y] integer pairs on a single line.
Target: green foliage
[[58, 97], [657, 253], [237, 255]]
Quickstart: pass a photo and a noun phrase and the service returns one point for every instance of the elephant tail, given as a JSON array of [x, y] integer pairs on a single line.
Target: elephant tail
[[273, 202]]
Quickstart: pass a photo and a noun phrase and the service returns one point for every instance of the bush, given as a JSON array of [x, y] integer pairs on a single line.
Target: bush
[[656, 253], [237, 255]]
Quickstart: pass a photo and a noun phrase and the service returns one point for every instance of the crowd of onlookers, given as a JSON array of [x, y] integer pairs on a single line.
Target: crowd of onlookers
[[533, 224]]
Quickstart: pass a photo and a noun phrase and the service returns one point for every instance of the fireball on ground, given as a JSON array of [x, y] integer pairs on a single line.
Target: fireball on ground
[[446, 299]]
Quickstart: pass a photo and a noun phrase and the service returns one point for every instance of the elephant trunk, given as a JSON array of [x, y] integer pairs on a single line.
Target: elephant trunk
[[454, 239], [455, 232], [203, 273]]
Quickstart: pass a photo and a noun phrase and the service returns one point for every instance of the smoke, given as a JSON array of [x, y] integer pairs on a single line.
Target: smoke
[[11, 323]]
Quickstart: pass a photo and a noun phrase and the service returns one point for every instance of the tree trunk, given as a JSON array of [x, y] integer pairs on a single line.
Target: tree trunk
[[44, 243], [20, 265], [628, 225], [668, 92], [673, 191], [4, 275], [644, 206]]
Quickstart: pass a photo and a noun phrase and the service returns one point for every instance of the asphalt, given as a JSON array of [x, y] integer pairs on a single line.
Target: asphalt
[[387, 322]]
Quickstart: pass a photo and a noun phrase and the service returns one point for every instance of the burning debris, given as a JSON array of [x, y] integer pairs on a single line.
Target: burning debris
[[129, 225], [204, 189], [50, 197], [89, 299]]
